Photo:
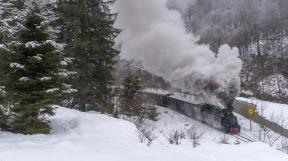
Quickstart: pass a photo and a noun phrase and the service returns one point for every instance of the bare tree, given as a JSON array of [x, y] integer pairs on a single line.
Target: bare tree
[[224, 140], [265, 134], [146, 134], [175, 136], [284, 145], [195, 134]]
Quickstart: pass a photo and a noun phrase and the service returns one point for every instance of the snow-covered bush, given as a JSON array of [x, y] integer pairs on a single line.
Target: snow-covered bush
[[195, 134], [146, 134], [176, 135], [284, 145]]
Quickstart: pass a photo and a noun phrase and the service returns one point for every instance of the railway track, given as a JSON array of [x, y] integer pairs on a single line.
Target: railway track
[[242, 138]]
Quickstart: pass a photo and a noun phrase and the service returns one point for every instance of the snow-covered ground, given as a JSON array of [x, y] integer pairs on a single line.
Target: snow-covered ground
[[79, 136], [274, 112], [169, 120]]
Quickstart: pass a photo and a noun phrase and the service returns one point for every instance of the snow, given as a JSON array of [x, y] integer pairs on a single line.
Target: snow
[[45, 78], [194, 99], [78, 136], [17, 65], [38, 57], [1, 89], [69, 91], [275, 85], [52, 90], [24, 79], [58, 46], [16, 43], [31, 44], [156, 91], [2, 46], [274, 112], [262, 134], [65, 73], [169, 120], [66, 61]]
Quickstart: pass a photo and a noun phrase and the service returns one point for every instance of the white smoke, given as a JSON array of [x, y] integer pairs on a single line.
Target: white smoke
[[156, 35], [180, 5]]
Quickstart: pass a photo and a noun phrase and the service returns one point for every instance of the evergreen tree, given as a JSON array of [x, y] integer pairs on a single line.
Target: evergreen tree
[[90, 35], [130, 100], [131, 86], [34, 79], [12, 15], [133, 102]]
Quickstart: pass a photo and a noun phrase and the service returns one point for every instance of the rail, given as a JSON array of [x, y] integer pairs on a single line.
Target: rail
[[242, 138]]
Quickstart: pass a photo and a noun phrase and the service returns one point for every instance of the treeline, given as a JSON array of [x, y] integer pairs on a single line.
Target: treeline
[[257, 27]]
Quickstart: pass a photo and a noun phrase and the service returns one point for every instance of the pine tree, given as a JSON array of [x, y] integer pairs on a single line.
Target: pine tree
[[130, 100], [34, 80], [131, 86], [10, 22], [90, 34], [133, 102]]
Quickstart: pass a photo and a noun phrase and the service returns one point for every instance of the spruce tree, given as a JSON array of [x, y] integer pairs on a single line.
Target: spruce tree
[[133, 102], [130, 100], [131, 86], [10, 22], [90, 35], [34, 80]]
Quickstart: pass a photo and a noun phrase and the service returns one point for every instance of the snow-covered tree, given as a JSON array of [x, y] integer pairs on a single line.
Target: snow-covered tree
[[89, 34], [34, 79], [133, 102]]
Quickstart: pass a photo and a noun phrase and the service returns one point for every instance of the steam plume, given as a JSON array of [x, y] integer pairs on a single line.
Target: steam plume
[[156, 35]]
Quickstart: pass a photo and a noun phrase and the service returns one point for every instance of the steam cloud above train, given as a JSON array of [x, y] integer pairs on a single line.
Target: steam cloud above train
[[155, 34]]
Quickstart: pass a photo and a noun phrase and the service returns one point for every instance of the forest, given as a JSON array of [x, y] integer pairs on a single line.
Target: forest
[[258, 28]]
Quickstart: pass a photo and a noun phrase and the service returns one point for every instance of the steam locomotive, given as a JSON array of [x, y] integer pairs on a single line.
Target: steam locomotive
[[209, 114]]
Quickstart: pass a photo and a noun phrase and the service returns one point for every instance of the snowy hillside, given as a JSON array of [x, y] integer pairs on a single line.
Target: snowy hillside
[[91, 136], [274, 112], [275, 85]]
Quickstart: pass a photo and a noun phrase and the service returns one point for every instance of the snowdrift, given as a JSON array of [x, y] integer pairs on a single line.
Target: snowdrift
[[79, 136]]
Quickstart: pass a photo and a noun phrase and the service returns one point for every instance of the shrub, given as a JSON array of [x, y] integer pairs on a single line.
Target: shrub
[[175, 136]]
